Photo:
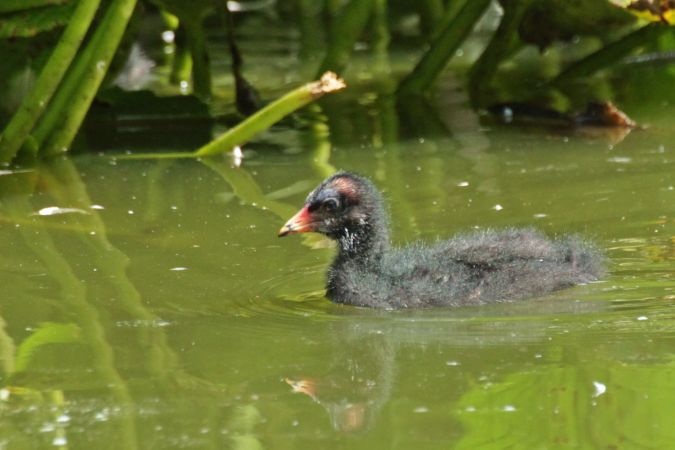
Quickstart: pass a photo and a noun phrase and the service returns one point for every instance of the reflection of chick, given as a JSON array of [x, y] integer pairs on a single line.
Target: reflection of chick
[[358, 381], [345, 416]]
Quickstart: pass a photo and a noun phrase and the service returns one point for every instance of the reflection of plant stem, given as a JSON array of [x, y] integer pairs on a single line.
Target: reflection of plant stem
[[35, 103], [443, 48], [387, 125], [609, 54], [501, 43], [111, 261], [7, 349], [74, 296], [58, 402], [243, 424], [155, 190], [247, 190], [319, 142], [322, 151]]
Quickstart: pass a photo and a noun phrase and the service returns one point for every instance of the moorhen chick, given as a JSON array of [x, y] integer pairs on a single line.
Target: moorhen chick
[[470, 269]]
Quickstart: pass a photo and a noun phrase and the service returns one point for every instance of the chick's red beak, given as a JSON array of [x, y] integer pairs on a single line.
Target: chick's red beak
[[301, 222]]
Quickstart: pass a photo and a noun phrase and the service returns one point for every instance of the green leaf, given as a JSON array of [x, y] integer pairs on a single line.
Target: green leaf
[[29, 23], [549, 20], [650, 10], [21, 5], [46, 334]]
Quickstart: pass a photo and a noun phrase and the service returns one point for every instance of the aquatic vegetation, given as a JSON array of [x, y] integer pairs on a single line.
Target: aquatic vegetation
[[91, 39]]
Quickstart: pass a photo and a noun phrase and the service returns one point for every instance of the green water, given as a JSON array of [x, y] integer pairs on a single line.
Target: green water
[[161, 311]]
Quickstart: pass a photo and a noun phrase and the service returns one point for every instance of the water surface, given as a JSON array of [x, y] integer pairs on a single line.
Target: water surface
[[157, 308]]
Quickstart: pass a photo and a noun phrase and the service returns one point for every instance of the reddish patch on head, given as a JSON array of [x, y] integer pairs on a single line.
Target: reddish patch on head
[[345, 185]]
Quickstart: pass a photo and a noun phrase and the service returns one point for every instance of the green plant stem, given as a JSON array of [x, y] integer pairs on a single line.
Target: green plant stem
[[270, 114], [67, 90], [443, 48], [312, 32], [381, 34], [609, 54], [35, 103], [344, 33], [258, 122], [431, 12], [201, 68], [501, 43], [182, 60], [105, 43], [451, 11]]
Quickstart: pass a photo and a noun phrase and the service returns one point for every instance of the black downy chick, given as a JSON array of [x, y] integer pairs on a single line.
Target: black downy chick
[[470, 269]]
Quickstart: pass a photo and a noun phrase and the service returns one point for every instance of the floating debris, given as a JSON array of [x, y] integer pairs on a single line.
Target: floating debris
[[55, 211], [600, 389]]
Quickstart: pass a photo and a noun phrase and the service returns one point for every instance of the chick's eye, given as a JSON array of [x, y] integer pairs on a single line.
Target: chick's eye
[[330, 204]]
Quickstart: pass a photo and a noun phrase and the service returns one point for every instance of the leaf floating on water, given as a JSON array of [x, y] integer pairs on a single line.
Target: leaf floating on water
[[55, 211]]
